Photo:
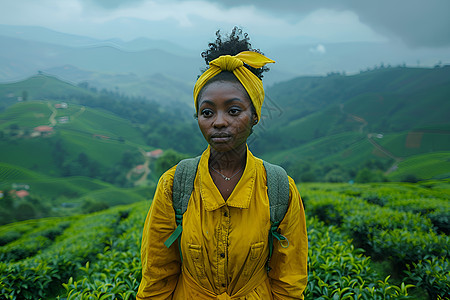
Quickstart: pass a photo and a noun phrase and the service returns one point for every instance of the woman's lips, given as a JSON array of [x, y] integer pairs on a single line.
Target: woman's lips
[[220, 138]]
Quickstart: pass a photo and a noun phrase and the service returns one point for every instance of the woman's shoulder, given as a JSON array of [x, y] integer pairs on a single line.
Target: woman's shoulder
[[166, 180]]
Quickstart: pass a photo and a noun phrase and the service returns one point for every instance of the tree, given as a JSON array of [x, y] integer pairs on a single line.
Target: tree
[[25, 211], [7, 201], [366, 175], [363, 176], [336, 175], [24, 95], [169, 159]]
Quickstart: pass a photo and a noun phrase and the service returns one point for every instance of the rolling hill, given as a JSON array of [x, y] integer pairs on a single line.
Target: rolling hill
[[66, 167], [73, 149], [388, 115], [57, 137]]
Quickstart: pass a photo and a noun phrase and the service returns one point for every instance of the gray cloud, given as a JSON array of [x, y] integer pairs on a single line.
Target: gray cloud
[[418, 23], [111, 4]]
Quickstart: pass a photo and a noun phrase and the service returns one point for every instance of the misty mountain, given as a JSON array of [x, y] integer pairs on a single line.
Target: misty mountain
[[158, 87], [22, 58], [44, 35], [28, 49]]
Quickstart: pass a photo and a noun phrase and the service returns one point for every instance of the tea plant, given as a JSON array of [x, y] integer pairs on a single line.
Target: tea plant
[[41, 276], [403, 236]]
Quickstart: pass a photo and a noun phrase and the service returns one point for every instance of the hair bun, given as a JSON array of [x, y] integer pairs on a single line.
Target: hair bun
[[232, 44]]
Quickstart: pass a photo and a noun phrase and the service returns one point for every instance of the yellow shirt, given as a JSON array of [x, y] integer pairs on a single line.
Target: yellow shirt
[[224, 243]]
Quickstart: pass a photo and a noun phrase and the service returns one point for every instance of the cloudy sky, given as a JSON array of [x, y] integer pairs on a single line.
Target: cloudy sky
[[416, 26]]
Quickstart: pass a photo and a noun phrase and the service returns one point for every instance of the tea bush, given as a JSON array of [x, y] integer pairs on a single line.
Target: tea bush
[[337, 270], [116, 272], [402, 235], [37, 239], [41, 276], [432, 274], [97, 256]]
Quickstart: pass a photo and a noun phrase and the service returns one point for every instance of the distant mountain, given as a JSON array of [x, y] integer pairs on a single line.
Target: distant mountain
[[28, 49], [48, 36], [151, 73], [158, 87], [23, 58]]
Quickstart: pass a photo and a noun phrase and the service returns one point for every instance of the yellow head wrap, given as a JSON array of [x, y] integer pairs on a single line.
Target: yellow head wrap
[[252, 84]]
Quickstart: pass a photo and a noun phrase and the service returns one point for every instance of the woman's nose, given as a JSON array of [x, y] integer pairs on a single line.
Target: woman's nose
[[220, 120]]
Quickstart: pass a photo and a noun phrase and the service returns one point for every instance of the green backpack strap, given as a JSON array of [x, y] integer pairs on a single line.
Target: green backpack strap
[[183, 185], [278, 192]]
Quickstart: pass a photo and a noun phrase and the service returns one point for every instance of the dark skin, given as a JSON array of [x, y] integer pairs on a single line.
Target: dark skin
[[225, 119]]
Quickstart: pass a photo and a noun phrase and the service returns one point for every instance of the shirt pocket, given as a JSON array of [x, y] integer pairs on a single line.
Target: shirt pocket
[[254, 257], [196, 258]]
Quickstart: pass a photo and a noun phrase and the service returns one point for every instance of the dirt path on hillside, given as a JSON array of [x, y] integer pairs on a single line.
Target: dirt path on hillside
[[51, 119], [144, 176], [396, 159], [354, 118], [370, 136], [145, 167], [78, 113]]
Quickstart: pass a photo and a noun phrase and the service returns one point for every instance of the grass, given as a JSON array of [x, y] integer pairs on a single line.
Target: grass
[[26, 114], [424, 166], [32, 154], [101, 135], [10, 173]]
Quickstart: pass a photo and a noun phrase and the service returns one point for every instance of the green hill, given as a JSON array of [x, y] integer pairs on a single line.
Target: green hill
[[102, 136], [75, 149], [384, 124], [345, 122]]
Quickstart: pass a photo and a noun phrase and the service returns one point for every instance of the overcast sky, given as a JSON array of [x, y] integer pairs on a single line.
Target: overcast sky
[[418, 25], [415, 22]]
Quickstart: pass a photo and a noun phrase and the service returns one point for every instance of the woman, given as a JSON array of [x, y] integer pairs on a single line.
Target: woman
[[224, 244]]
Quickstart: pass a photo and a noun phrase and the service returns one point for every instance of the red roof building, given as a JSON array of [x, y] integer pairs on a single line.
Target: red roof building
[[155, 153], [43, 128], [22, 193]]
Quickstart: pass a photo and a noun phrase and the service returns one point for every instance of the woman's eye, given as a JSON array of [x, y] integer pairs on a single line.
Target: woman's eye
[[234, 111], [207, 113]]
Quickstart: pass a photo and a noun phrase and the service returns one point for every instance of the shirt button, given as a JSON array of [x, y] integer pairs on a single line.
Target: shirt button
[[225, 214], [222, 255]]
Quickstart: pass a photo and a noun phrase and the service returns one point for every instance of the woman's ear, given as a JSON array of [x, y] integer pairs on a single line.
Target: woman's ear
[[255, 119]]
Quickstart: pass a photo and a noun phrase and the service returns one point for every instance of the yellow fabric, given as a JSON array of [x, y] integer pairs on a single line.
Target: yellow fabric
[[237, 228], [252, 84]]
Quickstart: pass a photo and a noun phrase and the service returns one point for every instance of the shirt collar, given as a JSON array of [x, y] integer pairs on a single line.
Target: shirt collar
[[242, 193]]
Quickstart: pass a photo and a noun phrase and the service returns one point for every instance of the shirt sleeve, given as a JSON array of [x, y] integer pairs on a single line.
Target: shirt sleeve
[[288, 274], [160, 265]]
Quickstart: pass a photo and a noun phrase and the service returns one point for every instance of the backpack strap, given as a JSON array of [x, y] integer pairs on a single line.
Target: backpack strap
[[278, 192], [183, 185]]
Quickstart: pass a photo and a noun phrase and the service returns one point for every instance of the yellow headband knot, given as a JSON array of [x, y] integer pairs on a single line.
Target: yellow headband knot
[[252, 84]]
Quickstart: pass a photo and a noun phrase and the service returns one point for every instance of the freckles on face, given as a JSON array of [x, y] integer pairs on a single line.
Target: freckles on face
[[225, 116]]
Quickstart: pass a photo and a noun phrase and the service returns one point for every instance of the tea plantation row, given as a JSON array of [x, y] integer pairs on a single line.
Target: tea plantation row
[[96, 256], [404, 225]]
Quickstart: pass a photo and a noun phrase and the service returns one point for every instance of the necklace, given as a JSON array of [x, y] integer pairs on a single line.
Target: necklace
[[225, 177]]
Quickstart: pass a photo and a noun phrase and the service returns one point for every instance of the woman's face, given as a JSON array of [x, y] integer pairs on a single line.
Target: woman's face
[[225, 116]]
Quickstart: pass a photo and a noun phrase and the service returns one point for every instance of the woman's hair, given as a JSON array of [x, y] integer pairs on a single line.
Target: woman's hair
[[232, 44]]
